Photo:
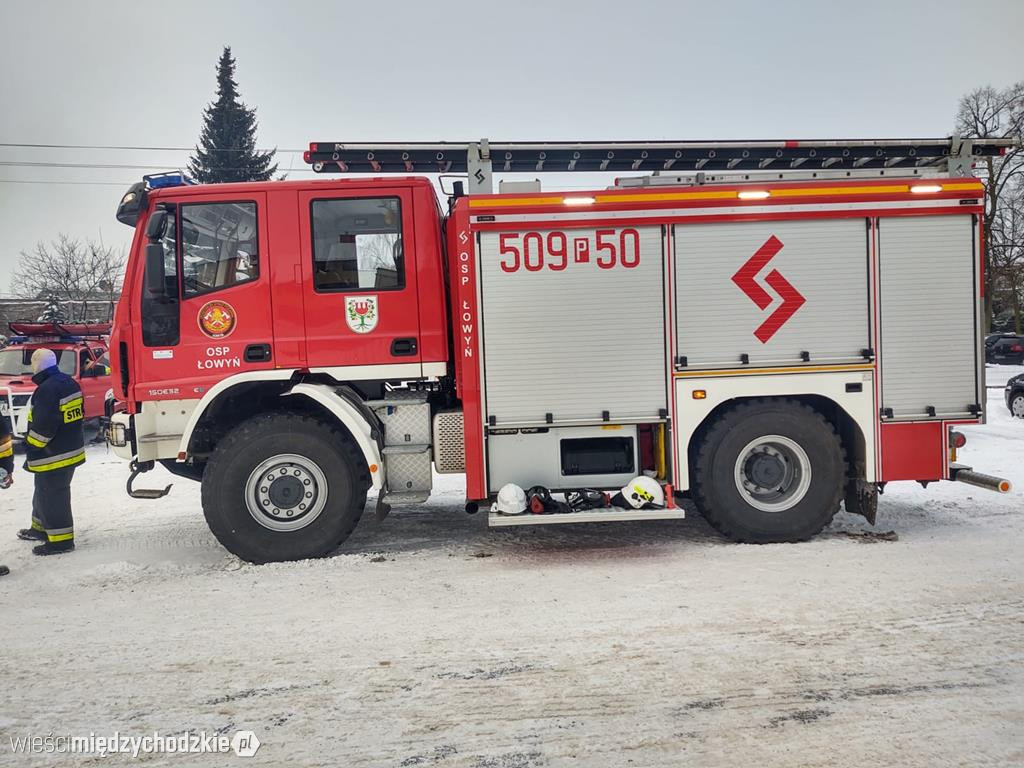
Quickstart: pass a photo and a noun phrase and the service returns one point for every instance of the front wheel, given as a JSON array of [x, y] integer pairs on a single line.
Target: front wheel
[[769, 471], [284, 486]]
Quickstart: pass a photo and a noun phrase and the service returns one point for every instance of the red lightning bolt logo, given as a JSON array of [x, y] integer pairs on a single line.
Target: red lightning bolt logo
[[792, 299]]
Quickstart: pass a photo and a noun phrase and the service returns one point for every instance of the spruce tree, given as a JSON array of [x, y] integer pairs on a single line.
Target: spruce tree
[[227, 146], [52, 312]]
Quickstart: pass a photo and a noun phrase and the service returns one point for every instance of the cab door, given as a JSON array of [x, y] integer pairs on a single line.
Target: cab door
[[215, 318], [94, 379], [359, 280]]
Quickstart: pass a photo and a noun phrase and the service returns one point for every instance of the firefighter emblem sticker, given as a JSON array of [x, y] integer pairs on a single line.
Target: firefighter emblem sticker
[[217, 319], [361, 313]]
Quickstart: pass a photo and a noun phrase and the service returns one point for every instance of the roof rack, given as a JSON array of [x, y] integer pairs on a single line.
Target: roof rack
[[41, 330], [480, 159]]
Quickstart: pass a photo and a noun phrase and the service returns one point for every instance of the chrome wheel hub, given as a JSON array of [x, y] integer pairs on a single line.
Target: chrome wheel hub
[[286, 492], [772, 473], [1017, 406]]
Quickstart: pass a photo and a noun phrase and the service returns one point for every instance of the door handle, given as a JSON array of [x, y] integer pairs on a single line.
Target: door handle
[[257, 353], [403, 347]]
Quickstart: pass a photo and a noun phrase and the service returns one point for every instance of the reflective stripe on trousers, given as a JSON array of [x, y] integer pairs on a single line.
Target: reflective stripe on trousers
[[60, 534], [51, 504]]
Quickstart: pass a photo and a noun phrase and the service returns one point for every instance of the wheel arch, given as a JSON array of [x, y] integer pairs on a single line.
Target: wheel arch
[[238, 398], [229, 402], [851, 435]]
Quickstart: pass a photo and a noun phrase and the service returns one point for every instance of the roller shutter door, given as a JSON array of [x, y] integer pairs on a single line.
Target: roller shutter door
[[566, 336], [929, 349], [733, 282]]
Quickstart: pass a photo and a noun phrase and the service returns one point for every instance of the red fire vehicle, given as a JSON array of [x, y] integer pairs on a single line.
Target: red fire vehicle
[[743, 325], [81, 350]]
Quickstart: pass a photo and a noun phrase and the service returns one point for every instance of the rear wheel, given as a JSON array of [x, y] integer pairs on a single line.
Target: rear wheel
[[769, 471], [284, 486]]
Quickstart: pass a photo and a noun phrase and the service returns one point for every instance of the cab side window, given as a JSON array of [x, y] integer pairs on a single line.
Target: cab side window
[[219, 246], [357, 244], [66, 361], [94, 363]]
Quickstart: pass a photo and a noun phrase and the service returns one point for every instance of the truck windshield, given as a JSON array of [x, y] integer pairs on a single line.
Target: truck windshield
[[17, 361]]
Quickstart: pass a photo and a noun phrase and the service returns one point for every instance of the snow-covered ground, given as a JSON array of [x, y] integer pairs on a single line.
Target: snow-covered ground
[[429, 640]]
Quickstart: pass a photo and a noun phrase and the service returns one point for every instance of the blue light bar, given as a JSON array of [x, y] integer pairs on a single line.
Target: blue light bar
[[44, 338], [167, 179]]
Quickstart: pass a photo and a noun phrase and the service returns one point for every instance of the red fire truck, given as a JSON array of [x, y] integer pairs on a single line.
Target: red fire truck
[[770, 328], [81, 350]]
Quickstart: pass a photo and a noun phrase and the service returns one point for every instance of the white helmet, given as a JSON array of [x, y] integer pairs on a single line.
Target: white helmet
[[643, 492], [511, 500]]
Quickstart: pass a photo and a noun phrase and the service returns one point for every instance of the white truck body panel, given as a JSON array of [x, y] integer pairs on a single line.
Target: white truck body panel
[[718, 389]]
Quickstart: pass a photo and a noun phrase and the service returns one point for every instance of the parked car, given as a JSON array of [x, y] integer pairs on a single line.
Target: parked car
[[1008, 350], [1015, 396], [81, 351], [992, 338]]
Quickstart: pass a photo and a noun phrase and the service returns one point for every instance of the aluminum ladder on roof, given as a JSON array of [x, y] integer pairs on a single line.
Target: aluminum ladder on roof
[[481, 159]]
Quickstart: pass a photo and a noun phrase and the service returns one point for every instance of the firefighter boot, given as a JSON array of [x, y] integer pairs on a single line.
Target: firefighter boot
[[53, 548], [4, 570], [31, 534]]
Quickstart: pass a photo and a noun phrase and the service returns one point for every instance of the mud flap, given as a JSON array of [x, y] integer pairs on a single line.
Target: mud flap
[[862, 499], [382, 508]]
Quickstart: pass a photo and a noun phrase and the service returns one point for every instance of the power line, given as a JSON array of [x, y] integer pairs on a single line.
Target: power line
[[106, 166], [130, 148], [76, 183]]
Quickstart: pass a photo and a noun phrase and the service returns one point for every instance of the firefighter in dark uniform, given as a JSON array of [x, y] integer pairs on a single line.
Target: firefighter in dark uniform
[[6, 463], [55, 447]]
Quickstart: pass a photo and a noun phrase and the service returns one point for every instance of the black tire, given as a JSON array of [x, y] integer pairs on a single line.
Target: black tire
[[259, 439], [716, 491], [1017, 405]]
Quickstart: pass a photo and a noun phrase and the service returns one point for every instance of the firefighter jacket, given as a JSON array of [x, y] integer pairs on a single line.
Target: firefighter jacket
[[6, 444], [56, 414]]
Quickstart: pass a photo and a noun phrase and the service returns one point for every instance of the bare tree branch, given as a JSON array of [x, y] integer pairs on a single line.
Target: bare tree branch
[[69, 270], [990, 113]]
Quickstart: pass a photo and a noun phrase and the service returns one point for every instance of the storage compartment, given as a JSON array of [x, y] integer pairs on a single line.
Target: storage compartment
[[598, 456], [573, 325], [930, 350], [405, 416], [771, 293]]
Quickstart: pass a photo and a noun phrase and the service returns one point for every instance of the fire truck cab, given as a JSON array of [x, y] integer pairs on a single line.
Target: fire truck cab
[[743, 339], [81, 351]]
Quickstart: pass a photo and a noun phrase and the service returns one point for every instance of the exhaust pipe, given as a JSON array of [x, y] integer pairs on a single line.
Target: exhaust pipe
[[981, 480]]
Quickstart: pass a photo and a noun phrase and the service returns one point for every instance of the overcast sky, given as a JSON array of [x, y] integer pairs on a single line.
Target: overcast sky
[[139, 74]]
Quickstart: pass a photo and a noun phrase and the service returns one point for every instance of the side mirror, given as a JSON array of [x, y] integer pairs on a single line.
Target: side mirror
[[155, 225], [155, 278]]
